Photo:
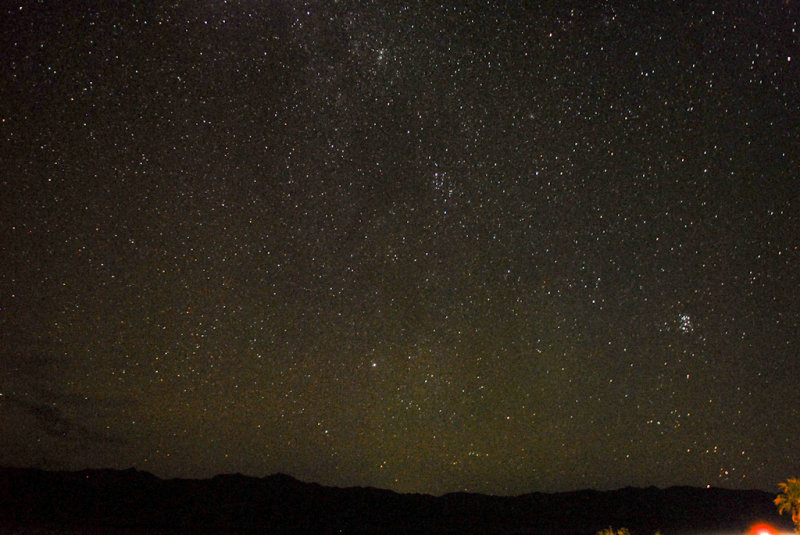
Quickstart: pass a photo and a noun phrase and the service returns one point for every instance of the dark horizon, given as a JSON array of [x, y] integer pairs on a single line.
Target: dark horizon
[[428, 248], [281, 504], [284, 475]]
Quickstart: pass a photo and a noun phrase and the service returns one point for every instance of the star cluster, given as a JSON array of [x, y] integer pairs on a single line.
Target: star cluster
[[414, 246]]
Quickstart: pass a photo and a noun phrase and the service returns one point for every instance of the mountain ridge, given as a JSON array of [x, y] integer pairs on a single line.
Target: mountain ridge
[[280, 503]]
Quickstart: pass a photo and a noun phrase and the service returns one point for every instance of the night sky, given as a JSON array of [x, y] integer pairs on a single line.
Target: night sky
[[429, 248]]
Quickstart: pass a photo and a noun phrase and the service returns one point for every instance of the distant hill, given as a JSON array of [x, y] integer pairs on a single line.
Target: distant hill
[[131, 501]]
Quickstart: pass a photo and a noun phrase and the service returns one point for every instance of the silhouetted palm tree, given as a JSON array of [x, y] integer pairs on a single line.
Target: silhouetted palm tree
[[788, 501]]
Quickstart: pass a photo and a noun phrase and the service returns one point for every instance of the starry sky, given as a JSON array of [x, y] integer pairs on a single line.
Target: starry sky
[[417, 246]]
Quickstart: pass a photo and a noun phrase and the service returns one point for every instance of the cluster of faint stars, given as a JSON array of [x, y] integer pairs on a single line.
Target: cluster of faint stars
[[429, 248]]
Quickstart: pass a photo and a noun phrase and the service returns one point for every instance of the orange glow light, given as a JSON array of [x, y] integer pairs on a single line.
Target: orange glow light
[[762, 529]]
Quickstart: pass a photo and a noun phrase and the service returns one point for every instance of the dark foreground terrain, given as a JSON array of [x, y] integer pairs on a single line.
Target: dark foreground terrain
[[130, 502]]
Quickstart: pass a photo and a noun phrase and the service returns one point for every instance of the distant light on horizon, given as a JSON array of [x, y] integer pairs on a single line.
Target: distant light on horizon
[[763, 528]]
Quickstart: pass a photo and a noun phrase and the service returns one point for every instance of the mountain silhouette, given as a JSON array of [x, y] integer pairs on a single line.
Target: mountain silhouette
[[132, 501]]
